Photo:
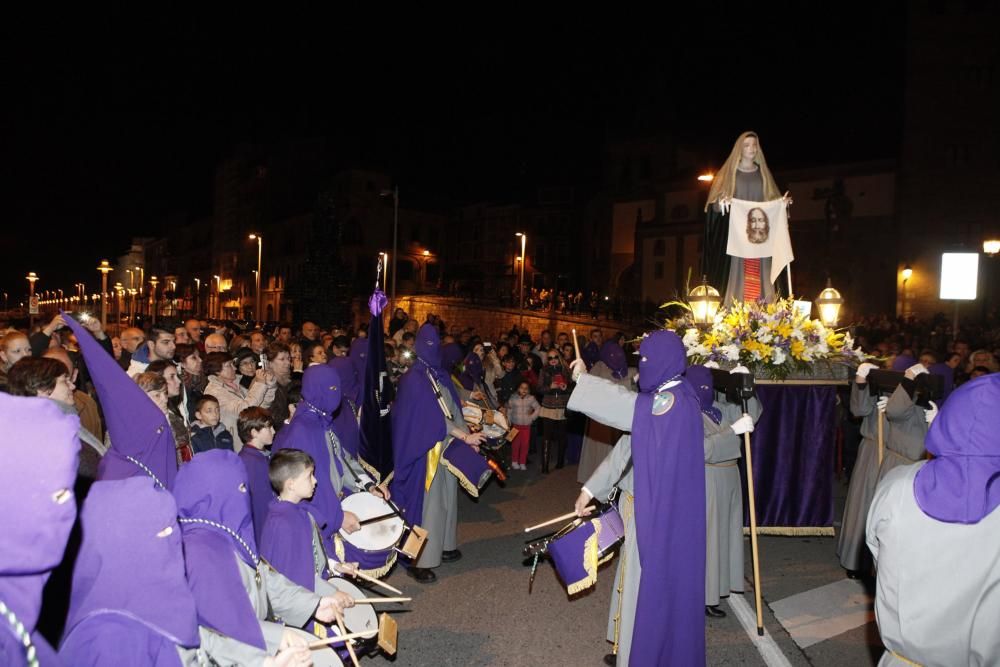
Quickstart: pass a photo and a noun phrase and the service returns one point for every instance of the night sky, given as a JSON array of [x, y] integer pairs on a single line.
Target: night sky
[[109, 125]]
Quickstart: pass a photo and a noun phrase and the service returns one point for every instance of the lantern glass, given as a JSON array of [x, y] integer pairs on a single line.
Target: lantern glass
[[705, 302], [828, 303]]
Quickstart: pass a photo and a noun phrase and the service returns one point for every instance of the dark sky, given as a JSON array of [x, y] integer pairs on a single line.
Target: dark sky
[[108, 125]]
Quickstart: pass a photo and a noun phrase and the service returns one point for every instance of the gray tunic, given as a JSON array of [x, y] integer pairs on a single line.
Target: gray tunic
[[851, 540], [614, 405], [598, 438], [749, 187], [440, 514], [287, 602], [343, 481], [724, 502], [937, 597], [904, 437]]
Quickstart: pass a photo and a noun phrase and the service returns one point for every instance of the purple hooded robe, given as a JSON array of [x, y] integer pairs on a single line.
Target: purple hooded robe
[[258, 485], [131, 604], [40, 453], [345, 420], [287, 541], [613, 357], [668, 456]]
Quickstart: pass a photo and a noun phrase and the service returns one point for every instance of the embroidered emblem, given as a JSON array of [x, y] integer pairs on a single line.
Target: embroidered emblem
[[662, 402]]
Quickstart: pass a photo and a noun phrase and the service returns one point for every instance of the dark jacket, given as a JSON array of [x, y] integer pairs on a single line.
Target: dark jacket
[[205, 438]]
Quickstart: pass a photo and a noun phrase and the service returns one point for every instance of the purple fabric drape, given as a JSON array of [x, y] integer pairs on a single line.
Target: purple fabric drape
[[793, 456]]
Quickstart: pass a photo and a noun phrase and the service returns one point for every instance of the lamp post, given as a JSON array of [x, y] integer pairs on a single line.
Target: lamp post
[[105, 269], [828, 303], [705, 302], [118, 289], [260, 246], [197, 297], [154, 281], [907, 274], [524, 241], [394, 193], [218, 296], [31, 278]]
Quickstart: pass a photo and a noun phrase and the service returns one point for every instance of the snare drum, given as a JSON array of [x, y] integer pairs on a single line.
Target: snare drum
[[581, 547], [359, 618], [495, 428], [372, 547], [469, 467]]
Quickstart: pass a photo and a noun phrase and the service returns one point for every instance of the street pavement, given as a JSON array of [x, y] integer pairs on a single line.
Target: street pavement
[[480, 612]]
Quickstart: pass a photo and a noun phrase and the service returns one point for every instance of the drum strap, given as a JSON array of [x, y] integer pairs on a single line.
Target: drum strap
[[614, 488]]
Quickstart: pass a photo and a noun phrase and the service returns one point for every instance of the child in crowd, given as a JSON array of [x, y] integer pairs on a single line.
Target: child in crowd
[[256, 430], [207, 431], [522, 410]]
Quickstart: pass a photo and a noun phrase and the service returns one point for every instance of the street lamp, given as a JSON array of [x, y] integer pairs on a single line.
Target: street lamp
[[118, 288], [907, 273], [705, 302], [260, 246], [32, 303], [197, 297], [524, 241], [105, 269], [154, 281], [218, 296], [991, 247], [829, 302], [394, 193]]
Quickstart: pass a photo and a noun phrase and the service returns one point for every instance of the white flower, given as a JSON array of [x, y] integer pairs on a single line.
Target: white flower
[[730, 352], [764, 335], [691, 337], [777, 356]]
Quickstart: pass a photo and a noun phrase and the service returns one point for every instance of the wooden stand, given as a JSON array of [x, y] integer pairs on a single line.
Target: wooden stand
[[414, 543], [753, 531]]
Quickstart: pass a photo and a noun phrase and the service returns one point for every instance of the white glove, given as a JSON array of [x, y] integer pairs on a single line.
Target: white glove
[[930, 414], [579, 367], [743, 425], [913, 371], [740, 369], [711, 364], [864, 369], [882, 403]]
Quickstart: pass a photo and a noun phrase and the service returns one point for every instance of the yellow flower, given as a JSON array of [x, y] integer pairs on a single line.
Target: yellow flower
[[797, 348], [784, 329], [835, 340]]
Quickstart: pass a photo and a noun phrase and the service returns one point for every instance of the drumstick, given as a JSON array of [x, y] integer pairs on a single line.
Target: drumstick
[[376, 519], [377, 582], [343, 638], [380, 600], [350, 648], [576, 343], [568, 515]]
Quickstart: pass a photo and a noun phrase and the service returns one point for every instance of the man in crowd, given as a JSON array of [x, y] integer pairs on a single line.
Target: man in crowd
[[159, 347]]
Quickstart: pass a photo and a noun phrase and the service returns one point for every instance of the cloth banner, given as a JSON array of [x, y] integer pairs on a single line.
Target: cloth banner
[[760, 229]]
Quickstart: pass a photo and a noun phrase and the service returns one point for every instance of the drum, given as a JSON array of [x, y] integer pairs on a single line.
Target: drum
[[495, 428], [579, 548], [469, 467], [359, 618], [372, 547], [472, 414]]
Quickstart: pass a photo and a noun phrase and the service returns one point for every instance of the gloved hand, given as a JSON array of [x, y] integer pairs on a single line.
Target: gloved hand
[[578, 367], [932, 413], [740, 369], [743, 425], [913, 371], [882, 403], [864, 369], [711, 364]]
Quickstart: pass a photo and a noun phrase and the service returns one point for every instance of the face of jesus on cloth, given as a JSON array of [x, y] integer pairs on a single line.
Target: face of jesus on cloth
[[758, 226]]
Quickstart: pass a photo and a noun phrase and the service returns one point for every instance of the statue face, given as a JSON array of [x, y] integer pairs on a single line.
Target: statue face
[[749, 148], [757, 226]]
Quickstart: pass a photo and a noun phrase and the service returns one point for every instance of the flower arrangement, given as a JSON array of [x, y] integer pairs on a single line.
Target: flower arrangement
[[773, 340]]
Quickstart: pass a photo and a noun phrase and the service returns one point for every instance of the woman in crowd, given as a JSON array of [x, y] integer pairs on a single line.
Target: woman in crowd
[[246, 363], [192, 377], [554, 384], [234, 398]]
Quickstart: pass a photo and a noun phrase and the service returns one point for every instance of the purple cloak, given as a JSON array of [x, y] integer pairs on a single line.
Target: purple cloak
[[321, 394], [947, 374], [417, 423], [613, 357], [961, 484], [256, 463], [212, 488], [40, 453], [902, 362], [359, 360], [701, 380], [287, 540], [130, 600], [141, 440], [668, 457], [590, 354], [451, 356], [473, 372], [345, 419]]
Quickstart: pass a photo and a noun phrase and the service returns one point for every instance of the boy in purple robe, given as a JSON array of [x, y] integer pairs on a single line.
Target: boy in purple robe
[[667, 589], [40, 454], [257, 432], [130, 602], [237, 595], [421, 431]]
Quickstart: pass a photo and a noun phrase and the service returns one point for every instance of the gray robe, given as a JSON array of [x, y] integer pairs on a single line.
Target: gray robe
[[598, 438], [614, 405], [343, 482], [851, 540], [904, 437], [440, 514], [937, 598], [724, 502], [279, 598]]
